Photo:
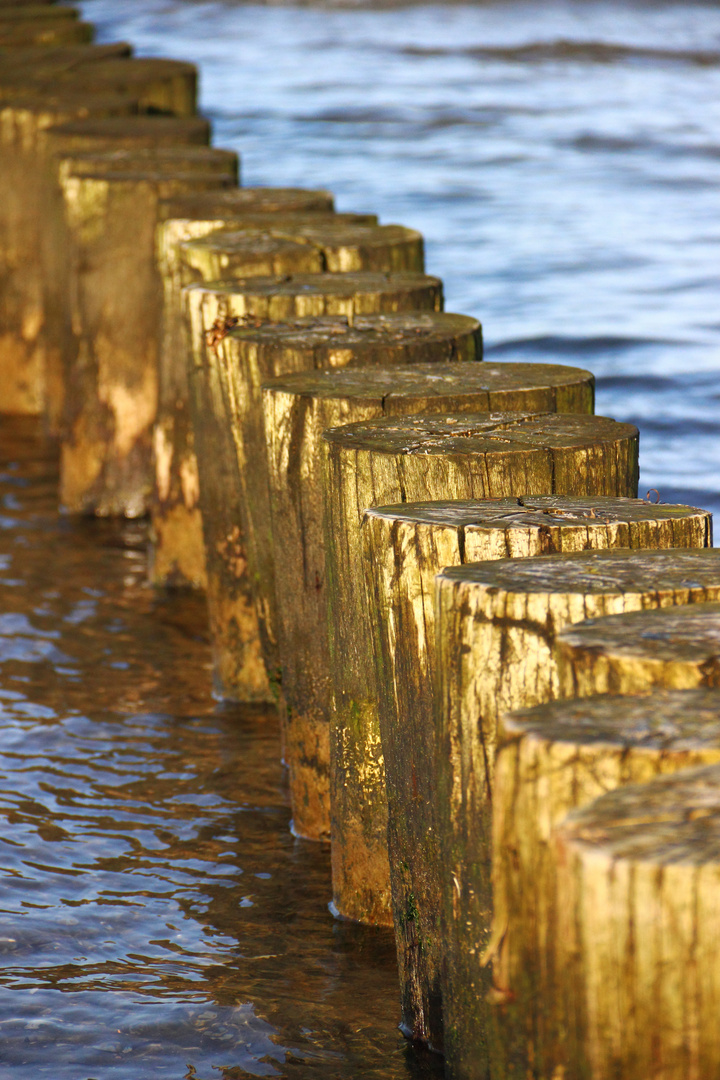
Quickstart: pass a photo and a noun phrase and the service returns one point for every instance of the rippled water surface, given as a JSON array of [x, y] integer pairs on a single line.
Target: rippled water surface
[[563, 160]]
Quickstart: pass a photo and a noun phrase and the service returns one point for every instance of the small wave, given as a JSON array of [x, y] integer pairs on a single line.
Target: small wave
[[557, 345], [562, 49]]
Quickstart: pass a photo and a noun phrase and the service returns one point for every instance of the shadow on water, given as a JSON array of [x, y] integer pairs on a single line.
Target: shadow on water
[[157, 918]]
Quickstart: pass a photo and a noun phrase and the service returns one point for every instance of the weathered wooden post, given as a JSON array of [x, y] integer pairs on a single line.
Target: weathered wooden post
[[23, 125], [639, 875], [634, 653], [552, 759], [64, 141], [244, 645], [405, 546], [157, 85], [42, 24], [177, 555], [412, 458], [297, 410], [111, 202], [496, 625]]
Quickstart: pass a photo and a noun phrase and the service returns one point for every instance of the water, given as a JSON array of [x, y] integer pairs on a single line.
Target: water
[[562, 160], [156, 916]]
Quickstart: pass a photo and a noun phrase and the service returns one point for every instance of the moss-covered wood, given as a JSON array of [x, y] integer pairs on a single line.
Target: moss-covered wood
[[260, 300], [405, 546], [24, 217], [177, 555], [496, 625], [552, 759], [639, 875], [24, 25], [406, 459], [158, 84], [636, 652], [111, 384], [64, 140]]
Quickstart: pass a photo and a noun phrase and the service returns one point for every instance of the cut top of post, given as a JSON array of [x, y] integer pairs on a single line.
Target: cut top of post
[[675, 721], [668, 821], [684, 634], [252, 200], [21, 12], [620, 571], [46, 60], [171, 160], [144, 130], [480, 433], [331, 341], [353, 287], [396, 387], [559, 514], [345, 245]]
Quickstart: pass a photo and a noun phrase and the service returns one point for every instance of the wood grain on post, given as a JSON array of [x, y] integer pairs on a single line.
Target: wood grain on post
[[486, 455], [405, 546], [552, 759], [23, 219], [47, 61], [636, 652], [240, 640], [177, 555], [298, 407], [111, 386], [297, 410], [496, 625], [639, 874], [64, 140]]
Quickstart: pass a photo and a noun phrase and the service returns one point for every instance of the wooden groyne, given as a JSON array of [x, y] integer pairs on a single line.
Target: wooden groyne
[[496, 667]]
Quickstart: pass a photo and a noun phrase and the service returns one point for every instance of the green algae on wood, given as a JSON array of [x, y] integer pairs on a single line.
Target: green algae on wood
[[485, 455], [496, 625], [271, 299], [405, 546]]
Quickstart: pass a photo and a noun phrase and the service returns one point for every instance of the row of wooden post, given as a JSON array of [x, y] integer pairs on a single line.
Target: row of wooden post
[[401, 547]]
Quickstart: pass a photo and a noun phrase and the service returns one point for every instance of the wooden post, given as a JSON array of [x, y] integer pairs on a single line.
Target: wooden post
[[636, 652], [342, 247], [237, 632], [177, 555], [64, 140], [639, 876], [457, 456], [157, 85], [42, 25], [405, 546], [552, 759], [111, 389], [297, 410], [298, 407], [23, 125], [496, 624]]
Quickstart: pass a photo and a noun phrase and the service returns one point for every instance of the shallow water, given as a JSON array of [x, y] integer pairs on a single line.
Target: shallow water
[[156, 916]]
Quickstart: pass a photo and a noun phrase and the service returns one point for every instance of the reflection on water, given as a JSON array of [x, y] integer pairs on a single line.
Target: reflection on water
[[156, 916]]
